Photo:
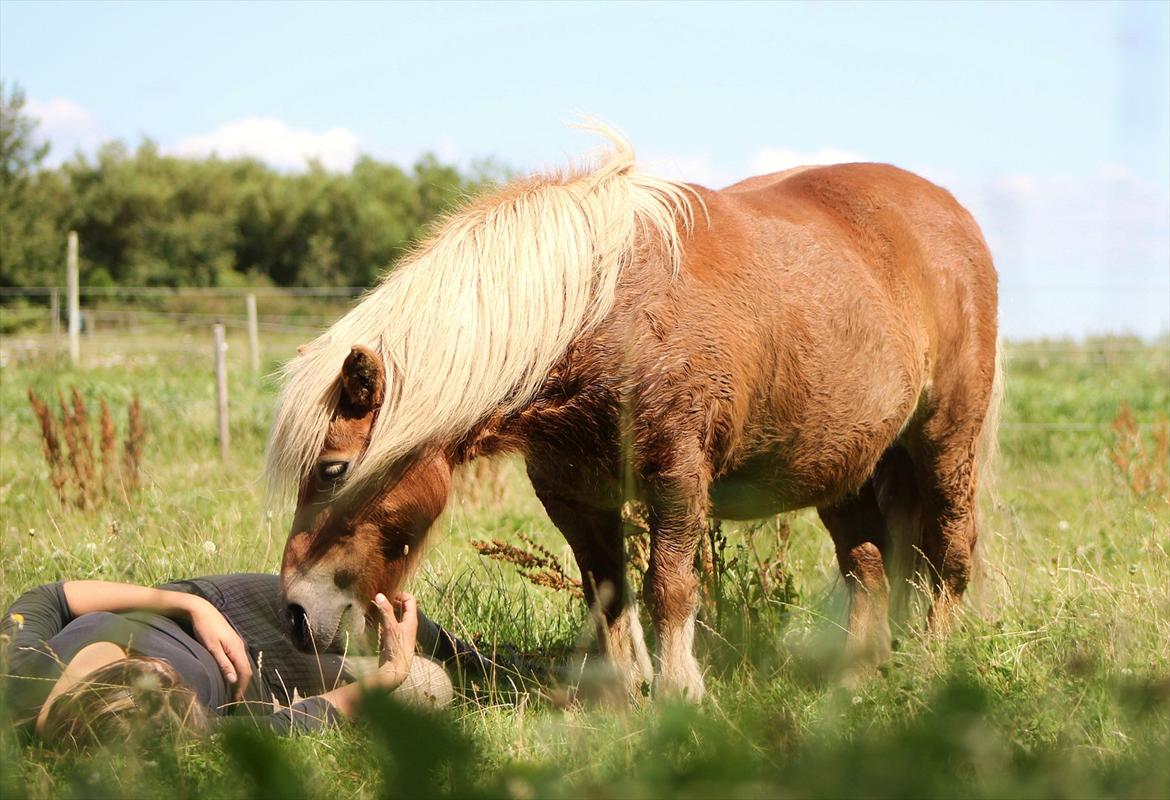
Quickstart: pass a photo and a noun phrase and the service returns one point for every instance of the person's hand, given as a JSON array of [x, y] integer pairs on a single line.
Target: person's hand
[[225, 645], [399, 629]]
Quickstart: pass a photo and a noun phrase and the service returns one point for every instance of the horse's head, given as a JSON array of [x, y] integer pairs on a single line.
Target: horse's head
[[344, 547]]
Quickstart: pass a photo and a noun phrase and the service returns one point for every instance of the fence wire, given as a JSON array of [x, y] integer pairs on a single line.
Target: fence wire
[[123, 313]]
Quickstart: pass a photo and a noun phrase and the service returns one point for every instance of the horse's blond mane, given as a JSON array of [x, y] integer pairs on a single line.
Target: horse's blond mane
[[475, 319]]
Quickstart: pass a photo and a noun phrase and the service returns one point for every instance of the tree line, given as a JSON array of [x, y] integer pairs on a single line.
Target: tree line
[[150, 219]]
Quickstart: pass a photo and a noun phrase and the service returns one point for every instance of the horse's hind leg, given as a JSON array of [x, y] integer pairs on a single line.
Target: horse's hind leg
[[598, 543], [946, 476], [859, 535], [945, 452]]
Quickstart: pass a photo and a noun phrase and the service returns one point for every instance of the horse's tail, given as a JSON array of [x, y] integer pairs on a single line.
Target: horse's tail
[[986, 458], [988, 446]]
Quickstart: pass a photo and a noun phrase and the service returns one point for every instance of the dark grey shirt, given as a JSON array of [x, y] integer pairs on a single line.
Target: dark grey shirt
[[42, 635]]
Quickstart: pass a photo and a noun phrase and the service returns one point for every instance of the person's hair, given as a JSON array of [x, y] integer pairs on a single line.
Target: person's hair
[[120, 701]]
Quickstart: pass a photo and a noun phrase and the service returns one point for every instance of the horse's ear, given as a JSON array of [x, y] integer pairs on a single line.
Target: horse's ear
[[363, 379]]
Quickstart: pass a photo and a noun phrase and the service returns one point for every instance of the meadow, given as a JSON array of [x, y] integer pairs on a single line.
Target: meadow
[[1055, 682]]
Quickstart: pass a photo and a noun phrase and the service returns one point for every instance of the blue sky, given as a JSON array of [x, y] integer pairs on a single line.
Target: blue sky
[[1050, 121]]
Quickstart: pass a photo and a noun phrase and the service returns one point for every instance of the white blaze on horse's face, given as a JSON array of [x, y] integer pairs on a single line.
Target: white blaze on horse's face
[[345, 548]]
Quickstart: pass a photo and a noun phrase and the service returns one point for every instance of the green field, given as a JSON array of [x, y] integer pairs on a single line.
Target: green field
[[1055, 683]]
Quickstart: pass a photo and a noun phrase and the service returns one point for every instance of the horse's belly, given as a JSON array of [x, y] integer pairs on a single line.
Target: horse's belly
[[732, 499], [754, 495]]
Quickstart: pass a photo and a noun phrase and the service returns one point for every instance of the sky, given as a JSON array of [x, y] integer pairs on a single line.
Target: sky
[[1049, 121]]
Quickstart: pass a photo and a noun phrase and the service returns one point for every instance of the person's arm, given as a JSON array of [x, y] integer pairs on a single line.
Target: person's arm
[[36, 617], [395, 659], [209, 625], [397, 652]]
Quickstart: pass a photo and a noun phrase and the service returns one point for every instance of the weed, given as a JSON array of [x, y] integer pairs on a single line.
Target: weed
[[1143, 463], [76, 479], [132, 448], [534, 562]]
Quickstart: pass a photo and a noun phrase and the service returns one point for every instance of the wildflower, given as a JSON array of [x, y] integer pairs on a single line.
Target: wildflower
[[856, 700], [1062, 525], [18, 619], [209, 547]]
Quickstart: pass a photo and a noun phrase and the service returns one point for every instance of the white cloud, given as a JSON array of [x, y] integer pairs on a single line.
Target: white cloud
[[275, 142], [774, 159], [66, 126], [1112, 221], [1077, 253], [698, 169]]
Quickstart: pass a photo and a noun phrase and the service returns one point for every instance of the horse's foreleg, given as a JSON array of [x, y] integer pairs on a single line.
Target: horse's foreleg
[[859, 535], [678, 516], [596, 537]]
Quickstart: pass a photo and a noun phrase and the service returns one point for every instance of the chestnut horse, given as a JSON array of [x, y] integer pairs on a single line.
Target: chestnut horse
[[823, 337]]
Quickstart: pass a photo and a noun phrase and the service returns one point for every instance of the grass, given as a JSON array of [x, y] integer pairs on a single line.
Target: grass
[[1056, 682]]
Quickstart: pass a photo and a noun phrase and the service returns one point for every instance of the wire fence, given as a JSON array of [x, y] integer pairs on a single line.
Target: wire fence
[[32, 322]]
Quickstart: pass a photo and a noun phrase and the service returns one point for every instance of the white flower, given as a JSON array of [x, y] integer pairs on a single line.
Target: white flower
[[1062, 525], [209, 547], [90, 547]]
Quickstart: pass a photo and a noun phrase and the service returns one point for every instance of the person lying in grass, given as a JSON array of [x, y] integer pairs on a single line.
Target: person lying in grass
[[86, 660]]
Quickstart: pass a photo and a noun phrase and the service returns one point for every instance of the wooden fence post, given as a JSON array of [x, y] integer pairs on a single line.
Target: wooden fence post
[[253, 333], [73, 291], [221, 390], [55, 313]]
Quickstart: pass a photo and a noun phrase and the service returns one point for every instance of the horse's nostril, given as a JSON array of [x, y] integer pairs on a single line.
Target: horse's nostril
[[298, 623]]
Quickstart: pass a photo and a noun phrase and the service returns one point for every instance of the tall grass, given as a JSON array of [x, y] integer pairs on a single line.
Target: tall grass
[[1056, 682]]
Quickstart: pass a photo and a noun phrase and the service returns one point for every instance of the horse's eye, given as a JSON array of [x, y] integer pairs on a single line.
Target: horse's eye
[[331, 470]]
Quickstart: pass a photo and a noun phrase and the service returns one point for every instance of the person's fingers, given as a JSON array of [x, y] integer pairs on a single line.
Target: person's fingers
[[409, 626], [225, 663], [406, 604], [238, 654], [389, 619]]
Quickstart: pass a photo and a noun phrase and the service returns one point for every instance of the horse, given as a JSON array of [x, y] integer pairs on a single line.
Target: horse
[[821, 337]]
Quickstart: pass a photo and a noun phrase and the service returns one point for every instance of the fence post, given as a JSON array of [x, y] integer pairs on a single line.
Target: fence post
[[73, 290], [55, 313], [253, 333], [221, 389]]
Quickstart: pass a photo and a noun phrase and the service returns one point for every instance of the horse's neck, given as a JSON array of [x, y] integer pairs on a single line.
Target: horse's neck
[[581, 394]]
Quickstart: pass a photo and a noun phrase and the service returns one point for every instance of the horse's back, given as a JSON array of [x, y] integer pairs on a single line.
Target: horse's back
[[900, 240], [856, 280], [897, 220]]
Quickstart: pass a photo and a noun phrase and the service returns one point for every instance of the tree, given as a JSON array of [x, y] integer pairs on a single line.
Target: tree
[[31, 248], [147, 218]]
